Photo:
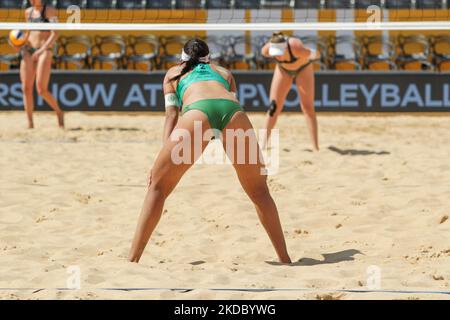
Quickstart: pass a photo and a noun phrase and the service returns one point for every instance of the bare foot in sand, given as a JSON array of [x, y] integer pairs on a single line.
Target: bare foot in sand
[[61, 119]]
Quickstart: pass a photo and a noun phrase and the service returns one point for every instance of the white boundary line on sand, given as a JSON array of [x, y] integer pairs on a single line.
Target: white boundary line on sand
[[306, 290]]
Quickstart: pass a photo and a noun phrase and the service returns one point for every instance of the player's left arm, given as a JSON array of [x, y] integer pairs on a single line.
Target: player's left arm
[[300, 51], [172, 104], [52, 16]]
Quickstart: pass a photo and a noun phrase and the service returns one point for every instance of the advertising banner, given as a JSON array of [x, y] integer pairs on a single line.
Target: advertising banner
[[335, 91]]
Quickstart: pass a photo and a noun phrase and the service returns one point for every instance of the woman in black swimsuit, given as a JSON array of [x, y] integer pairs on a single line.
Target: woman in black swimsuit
[[294, 63], [37, 56]]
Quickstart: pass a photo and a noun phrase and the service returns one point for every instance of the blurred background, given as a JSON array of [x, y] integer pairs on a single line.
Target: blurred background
[[152, 51]]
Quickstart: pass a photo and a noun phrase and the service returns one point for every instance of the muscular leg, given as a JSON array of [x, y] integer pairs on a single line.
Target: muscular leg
[[254, 183], [27, 77], [44, 66], [281, 84], [305, 85], [165, 175]]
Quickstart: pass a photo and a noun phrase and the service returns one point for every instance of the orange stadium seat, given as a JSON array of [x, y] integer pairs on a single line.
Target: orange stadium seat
[[440, 46], [74, 52], [414, 53], [379, 53], [172, 47], [109, 52], [144, 52]]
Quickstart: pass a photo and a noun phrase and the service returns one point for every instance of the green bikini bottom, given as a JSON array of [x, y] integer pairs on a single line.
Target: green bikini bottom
[[218, 111]]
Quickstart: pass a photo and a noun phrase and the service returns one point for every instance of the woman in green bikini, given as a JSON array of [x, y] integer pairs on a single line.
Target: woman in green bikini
[[37, 56], [207, 96]]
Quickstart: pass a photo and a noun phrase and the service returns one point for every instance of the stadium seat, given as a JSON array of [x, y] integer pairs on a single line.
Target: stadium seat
[[172, 47], [145, 51], [233, 58], [131, 4], [379, 53], [398, 4], [261, 62], [189, 4], [346, 53], [159, 4], [75, 52], [248, 4], [218, 4], [8, 57], [276, 4], [307, 4], [109, 51], [64, 4], [216, 49], [12, 4], [100, 4], [364, 4], [414, 53], [255, 60], [440, 46], [339, 4], [317, 43]]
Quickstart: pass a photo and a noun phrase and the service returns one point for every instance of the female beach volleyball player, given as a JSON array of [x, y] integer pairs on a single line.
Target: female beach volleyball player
[[37, 56], [294, 64], [207, 95]]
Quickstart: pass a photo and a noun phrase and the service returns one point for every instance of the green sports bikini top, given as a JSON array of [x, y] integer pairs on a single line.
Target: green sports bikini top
[[201, 72]]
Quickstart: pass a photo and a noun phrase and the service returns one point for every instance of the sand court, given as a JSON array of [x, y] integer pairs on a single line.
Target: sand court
[[375, 200]]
